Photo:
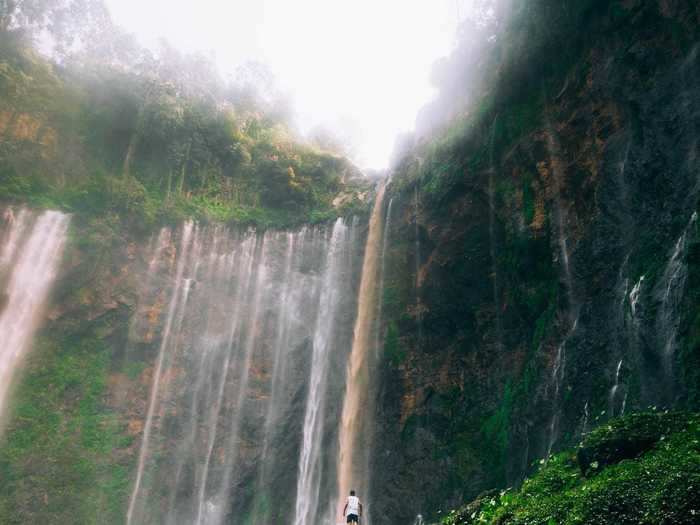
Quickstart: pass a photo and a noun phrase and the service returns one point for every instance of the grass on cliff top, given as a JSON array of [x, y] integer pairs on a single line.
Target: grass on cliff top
[[91, 140], [659, 484], [145, 208]]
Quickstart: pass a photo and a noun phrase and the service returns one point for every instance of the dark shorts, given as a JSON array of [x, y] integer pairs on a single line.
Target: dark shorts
[[353, 518]]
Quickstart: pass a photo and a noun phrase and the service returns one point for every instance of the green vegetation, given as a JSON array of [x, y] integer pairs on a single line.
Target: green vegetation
[[159, 141], [57, 463], [496, 430], [392, 348], [512, 62], [641, 469]]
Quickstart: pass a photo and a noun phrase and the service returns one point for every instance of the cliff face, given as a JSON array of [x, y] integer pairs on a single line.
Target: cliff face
[[67, 451], [545, 280], [541, 274], [174, 373]]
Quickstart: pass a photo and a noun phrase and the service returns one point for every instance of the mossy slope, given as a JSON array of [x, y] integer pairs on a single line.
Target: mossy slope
[[659, 484]]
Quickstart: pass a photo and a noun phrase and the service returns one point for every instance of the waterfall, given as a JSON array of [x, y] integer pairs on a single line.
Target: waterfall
[[670, 293], [554, 151], [634, 296], [279, 367], [416, 282], [178, 301], [308, 483], [614, 389], [356, 422], [29, 260], [559, 369], [248, 335], [378, 342], [557, 381], [584, 419], [382, 274]]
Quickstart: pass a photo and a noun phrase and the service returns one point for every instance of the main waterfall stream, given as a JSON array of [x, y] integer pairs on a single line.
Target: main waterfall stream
[[358, 410], [253, 336]]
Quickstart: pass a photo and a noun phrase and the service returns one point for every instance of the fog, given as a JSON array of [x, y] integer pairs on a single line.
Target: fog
[[361, 69]]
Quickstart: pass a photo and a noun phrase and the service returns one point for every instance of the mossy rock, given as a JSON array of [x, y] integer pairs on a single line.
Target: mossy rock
[[627, 438], [657, 486]]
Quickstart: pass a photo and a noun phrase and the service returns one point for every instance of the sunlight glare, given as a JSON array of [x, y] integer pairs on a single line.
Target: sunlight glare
[[365, 64]]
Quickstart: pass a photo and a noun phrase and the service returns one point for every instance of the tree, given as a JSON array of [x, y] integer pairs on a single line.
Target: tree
[[15, 14], [68, 23]]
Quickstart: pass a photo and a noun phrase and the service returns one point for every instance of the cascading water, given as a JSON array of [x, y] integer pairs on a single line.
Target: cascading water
[[557, 380], [612, 397], [382, 274], [250, 336], [310, 465], [417, 249], [559, 368], [261, 510], [378, 341], [175, 315], [358, 407], [29, 259], [585, 418], [622, 337], [670, 292], [634, 296]]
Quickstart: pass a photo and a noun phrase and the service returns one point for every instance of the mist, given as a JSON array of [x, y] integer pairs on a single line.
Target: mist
[[323, 262], [360, 70]]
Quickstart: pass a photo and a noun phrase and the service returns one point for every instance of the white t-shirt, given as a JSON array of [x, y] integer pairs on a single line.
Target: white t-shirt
[[353, 506]]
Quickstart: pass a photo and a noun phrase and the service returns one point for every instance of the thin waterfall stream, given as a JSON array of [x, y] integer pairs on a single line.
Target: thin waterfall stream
[[558, 373], [29, 259], [310, 467]]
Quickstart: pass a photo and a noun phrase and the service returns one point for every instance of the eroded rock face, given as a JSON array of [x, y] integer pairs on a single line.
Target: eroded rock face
[[537, 294]]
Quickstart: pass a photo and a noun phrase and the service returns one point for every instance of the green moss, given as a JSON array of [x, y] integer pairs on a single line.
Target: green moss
[[56, 464], [133, 369], [520, 119], [528, 201], [187, 157], [543, 325], [658, 486], [392, 346], [496, 431]]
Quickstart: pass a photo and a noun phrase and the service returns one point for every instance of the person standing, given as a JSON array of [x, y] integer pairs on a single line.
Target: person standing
[[353, 508]]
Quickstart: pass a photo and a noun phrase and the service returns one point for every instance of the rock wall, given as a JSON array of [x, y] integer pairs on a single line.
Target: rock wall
[[543, 283]]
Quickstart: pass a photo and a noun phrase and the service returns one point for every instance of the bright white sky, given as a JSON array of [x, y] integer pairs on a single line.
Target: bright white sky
[[365, 63]]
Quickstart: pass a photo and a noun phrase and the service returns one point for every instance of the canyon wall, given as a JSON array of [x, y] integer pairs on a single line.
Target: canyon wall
[[542, 272]]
